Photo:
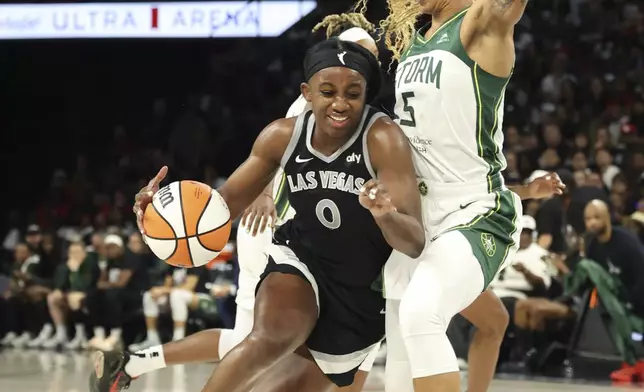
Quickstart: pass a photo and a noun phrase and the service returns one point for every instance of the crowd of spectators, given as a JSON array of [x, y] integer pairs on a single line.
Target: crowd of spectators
[[575, 105]]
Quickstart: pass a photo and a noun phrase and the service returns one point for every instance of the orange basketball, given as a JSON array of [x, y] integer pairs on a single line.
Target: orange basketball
[[187, 224]]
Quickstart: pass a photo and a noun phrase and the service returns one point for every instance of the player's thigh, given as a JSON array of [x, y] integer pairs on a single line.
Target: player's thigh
[[488, 314], [252, 259], [230, 338], [286, 304], [447, 279], [295, 374], [251, 251], [243, 322], [397, 370]]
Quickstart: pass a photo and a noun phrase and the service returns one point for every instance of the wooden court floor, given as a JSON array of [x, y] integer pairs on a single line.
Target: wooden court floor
[[36, 371]]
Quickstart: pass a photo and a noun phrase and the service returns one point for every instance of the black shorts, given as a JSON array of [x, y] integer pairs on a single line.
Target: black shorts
[[351, 320]]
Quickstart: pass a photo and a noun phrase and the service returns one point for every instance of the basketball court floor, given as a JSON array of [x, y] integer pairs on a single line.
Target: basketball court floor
[[36, 371]]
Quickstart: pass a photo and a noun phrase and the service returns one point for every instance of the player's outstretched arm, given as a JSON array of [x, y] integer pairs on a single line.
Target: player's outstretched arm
[[251, 178], [495, 16], [540, 188], [394, 199]]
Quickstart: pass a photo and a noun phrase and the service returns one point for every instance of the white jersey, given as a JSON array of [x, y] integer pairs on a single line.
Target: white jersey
[[451, 110]]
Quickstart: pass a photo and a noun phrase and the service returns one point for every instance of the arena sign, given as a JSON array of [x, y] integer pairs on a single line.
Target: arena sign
[[218, 19]]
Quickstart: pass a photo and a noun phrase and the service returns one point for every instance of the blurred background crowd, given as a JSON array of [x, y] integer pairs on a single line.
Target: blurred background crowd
[[89, 122]]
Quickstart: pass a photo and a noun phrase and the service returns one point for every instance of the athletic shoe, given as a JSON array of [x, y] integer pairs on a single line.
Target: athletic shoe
[[54, 343], [627, 373], [22, 340], [46, 333], [109, 371], [95, 342], [8, 338], [639, 368], [78, 343]]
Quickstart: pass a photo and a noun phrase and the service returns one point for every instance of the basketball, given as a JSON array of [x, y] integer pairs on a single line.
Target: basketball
[[187, 224]]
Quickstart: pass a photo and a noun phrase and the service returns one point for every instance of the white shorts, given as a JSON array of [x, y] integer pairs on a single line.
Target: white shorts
[[232, 337], [252, 259], [489, 221]]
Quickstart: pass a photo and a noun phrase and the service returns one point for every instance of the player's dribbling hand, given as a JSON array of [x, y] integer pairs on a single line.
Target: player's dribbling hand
[[546, 186], [144, 197], [374, 197], [258, 215]]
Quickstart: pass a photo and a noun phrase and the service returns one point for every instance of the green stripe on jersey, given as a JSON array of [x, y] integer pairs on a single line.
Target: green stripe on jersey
[[281, 198], [490, 91]]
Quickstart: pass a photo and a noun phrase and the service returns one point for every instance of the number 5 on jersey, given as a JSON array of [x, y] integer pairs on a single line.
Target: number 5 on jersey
[[410, 121]]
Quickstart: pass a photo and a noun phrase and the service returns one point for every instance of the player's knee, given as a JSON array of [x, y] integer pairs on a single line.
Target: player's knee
[[496, 323], [54, 298], [180, 297], [420, 309], [147, 298], [421, 316], [274, 345]]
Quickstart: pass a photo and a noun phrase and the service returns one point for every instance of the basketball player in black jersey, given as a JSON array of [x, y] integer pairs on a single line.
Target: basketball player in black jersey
[[315, 298]]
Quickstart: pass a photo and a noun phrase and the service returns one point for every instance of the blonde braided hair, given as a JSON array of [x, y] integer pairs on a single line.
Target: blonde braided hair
[[333, 23], [399, 28]]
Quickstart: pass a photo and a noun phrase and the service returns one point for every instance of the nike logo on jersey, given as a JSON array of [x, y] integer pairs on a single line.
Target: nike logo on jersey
[[464, 206], [382, 311], [302, 160]]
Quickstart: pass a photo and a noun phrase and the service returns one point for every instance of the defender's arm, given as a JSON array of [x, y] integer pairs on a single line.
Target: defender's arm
[[495, 16]]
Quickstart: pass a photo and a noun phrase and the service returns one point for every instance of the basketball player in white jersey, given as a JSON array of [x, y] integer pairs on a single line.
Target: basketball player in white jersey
[[253, 237], [450, 86]]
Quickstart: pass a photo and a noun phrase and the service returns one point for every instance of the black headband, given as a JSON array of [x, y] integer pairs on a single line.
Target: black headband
[[336, 53]]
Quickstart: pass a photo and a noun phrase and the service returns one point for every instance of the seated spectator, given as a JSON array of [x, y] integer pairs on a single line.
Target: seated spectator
[[177, 294], [97, 242], [621, 254], [24, 302], [33, 238], [529, 273], [119, 290], [614, 267], [608, 171], [551, 219], [72, 282], [223, 289]]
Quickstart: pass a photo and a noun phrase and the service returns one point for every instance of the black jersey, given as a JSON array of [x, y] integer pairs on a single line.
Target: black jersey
[[330, 226]]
